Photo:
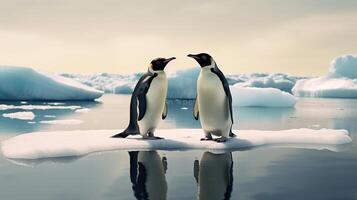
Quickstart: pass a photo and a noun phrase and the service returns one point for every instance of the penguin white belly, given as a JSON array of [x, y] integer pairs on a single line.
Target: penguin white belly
[[213, 104], [155, 102], [214, 175], [156, 185]]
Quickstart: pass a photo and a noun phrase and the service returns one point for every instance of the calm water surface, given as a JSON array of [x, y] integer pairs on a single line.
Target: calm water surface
[[260, 173]]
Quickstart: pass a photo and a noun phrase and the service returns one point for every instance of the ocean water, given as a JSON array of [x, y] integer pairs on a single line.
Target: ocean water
[[259, 173]]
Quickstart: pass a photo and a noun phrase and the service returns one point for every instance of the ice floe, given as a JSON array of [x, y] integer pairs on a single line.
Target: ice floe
[[20, 115], [62, 122], [340, 82], [82, 110], [37, 107], [22, 83], [78, 143]]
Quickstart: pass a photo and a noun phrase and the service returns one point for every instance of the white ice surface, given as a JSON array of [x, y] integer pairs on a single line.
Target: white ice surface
[[22, 83], [78, 143], [340, 82], [20, 115]]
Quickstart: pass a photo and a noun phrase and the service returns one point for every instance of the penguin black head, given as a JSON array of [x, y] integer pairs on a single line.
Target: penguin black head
[[203, 59], [159, 64]]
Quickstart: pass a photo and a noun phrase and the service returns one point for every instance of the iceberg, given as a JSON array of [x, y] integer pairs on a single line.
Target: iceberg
[[261, 97], [22, 83], [39, 145], [183, 84], [340, 82]]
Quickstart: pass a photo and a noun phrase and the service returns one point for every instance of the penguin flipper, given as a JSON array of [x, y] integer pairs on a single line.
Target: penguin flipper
[[225, 85], [196, 113], [143, 88], [164, 112]]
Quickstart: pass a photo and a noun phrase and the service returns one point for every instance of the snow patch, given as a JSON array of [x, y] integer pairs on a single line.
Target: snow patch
[[78, 143], [22, 83], [20, 115]]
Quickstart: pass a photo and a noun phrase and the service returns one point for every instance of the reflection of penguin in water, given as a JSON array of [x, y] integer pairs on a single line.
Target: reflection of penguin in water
[[213, 105], [147, 174], [148, 101], [214, 176]]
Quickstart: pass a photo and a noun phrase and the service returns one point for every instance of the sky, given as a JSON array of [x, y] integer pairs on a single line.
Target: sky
[[298, 37]]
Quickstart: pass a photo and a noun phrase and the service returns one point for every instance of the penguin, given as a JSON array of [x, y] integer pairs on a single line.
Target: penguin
[[147, 175], [213, 104], [214, 176], [148, 101]]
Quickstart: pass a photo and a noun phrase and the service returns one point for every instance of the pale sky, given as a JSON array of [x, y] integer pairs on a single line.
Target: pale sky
[[292, 36]]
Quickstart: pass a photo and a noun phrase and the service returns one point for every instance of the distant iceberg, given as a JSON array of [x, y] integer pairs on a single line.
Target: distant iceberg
[[261, 97], [340, 82], [279, 81], [124, 84], [257, 89], [22, 83]]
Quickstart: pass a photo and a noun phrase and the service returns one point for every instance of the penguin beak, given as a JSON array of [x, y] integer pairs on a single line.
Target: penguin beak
[[192, 56], [169, 59]]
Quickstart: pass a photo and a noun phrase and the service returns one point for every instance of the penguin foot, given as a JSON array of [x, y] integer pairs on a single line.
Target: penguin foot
[[231, 134], [206, 139], [152, 138], [221, 139]]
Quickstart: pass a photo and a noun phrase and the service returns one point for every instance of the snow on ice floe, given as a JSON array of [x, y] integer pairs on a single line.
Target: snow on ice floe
[[20, 115], [340, 82], [22, 83], [78, 143]]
